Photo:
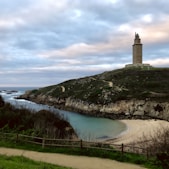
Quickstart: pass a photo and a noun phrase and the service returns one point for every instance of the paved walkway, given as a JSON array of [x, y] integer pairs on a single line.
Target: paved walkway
[[76, 162]]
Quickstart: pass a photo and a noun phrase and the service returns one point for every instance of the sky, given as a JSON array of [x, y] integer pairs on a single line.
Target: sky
[[46, 42]]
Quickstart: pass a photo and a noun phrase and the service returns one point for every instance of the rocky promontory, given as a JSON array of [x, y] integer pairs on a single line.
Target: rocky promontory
[[120, 94]]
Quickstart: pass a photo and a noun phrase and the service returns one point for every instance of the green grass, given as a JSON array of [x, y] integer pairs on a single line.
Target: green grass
[[137, 83], [20, 162], [113, 155]]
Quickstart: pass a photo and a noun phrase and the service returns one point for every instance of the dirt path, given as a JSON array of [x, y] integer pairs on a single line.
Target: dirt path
[[76, 162]]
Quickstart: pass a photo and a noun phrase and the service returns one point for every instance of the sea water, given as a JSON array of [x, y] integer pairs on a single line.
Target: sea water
[[88, 128]]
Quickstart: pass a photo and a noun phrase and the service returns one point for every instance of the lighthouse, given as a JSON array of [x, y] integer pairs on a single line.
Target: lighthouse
[[137, 50], [137, 55]]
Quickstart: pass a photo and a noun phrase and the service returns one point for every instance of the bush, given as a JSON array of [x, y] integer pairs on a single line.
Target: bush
[[42, 123], [157, 146], [2, 103]]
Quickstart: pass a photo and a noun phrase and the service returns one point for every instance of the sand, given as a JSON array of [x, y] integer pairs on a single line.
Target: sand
[[137, 128], [76, 162]]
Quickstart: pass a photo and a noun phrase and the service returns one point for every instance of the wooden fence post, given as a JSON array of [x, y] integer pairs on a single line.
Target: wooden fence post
[[147, 153], [81, 144], [122, 149], [17, 137], [43, 143]]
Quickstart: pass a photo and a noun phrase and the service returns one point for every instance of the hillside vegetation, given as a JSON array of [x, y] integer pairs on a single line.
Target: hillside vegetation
[[41, 124], [111, 86], [141, 93]]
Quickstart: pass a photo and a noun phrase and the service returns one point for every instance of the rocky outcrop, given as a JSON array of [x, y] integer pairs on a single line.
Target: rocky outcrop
[[123, 109]]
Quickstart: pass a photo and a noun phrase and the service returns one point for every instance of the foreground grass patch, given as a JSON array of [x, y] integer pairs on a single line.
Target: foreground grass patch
[[17, 162]]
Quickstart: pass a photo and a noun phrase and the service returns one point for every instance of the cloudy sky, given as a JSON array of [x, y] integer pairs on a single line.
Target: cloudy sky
[[45, 42]]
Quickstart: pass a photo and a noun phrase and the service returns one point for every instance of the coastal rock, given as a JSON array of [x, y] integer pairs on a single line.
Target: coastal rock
[[124, 109]]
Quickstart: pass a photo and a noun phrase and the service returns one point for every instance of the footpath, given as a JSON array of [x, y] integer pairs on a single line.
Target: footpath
[[76, 162]]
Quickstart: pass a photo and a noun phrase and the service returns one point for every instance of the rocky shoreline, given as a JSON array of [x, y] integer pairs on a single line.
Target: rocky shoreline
[[123, 109]]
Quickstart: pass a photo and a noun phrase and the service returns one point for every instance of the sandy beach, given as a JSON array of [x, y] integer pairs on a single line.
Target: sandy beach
[[137, 128]]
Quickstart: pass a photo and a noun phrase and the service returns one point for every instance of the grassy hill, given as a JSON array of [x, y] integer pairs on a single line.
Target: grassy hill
[[118, 94], [111, 86]]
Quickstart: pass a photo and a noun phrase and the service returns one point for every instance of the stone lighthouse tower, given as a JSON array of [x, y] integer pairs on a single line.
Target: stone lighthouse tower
[[137, 55], [137, 50]]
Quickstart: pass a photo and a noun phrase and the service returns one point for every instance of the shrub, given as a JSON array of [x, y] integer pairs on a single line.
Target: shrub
[[42, 123]]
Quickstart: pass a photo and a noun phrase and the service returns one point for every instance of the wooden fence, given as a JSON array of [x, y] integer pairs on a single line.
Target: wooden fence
[[46, 142]]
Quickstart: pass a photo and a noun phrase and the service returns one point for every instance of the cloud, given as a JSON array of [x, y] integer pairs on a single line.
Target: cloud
[[81, 49], [58, 40], [159, 62]]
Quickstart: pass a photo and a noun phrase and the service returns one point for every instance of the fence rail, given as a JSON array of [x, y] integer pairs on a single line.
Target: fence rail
[[47, 142]]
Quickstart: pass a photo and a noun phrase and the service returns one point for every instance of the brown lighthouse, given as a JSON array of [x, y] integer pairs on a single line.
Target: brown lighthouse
[[137, 54], [137, 50]]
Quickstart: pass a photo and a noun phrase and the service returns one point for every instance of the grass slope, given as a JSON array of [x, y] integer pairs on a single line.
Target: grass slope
[[113, 85], [16, 162]]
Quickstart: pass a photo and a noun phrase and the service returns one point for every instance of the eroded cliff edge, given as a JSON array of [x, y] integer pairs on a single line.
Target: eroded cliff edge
[[119, 94]]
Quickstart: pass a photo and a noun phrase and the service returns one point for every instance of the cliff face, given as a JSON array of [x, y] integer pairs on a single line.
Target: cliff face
[[123, 109], [119, 94]]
